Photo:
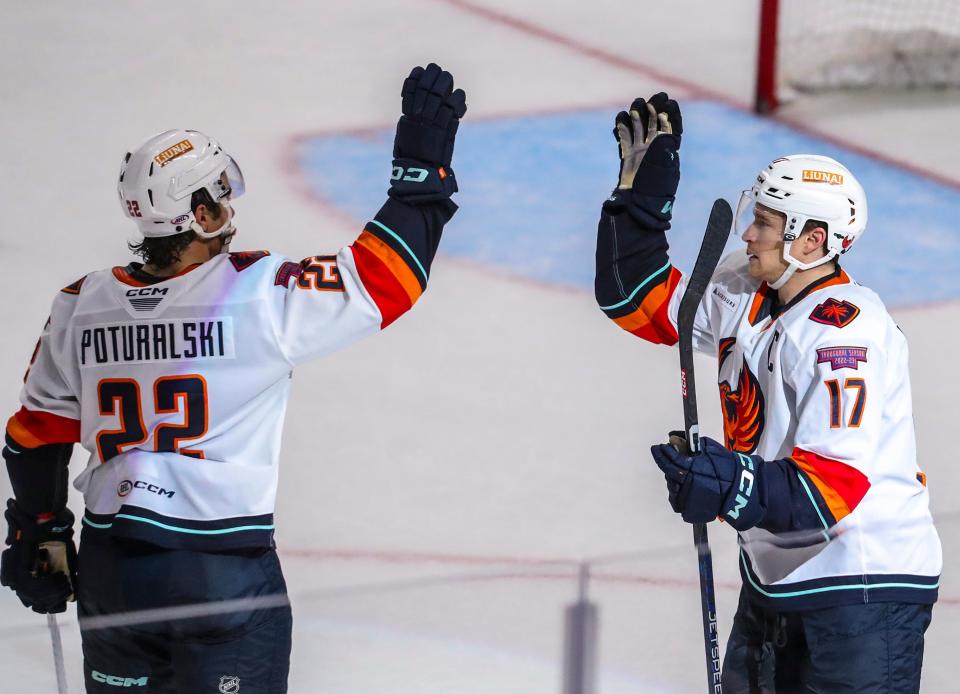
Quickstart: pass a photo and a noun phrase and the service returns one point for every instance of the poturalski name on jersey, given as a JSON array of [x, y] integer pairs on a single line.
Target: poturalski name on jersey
[[156, 341]]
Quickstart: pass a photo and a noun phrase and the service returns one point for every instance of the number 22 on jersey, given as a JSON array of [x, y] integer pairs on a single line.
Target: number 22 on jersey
[[120, 397]]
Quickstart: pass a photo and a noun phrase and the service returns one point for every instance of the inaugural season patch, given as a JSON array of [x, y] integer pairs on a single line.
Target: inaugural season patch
[[842, 357], [835, 313]]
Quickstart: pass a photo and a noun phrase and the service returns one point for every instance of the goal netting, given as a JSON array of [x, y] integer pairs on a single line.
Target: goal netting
[[820, 45]]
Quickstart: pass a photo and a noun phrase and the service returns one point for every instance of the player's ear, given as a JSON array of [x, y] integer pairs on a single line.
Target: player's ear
[[205, 217], [815, 236]]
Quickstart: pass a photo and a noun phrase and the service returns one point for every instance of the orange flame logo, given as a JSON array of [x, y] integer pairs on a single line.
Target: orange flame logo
[[742, 408]]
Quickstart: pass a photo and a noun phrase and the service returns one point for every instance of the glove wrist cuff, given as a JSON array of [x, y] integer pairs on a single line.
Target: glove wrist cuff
[[649, 212], [414, 181], [743, 508]]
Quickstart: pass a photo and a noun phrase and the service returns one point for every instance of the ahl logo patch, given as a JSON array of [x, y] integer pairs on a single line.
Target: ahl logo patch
[[229, 684], [836, 313], [842, 357]]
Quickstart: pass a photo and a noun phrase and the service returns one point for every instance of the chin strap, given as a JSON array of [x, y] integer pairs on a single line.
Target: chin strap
[[784, 278], [793, 265]]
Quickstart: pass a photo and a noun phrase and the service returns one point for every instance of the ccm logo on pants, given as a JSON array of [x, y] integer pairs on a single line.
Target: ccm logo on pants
[[115, 681]]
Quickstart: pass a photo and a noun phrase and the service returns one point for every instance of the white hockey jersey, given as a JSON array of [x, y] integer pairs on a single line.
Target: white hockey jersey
[[178, 387], [822, 382]]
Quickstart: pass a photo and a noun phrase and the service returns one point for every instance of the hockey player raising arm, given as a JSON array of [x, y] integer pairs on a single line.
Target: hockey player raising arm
[[174, 375], [817, 470]]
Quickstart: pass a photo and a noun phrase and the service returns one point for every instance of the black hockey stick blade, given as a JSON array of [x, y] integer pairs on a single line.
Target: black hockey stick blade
[[714, 240]]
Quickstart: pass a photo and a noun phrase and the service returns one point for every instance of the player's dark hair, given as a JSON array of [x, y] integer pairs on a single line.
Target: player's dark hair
[[164, 251]]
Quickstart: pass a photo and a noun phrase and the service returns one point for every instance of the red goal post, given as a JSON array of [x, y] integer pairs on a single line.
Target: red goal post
[[810, 46]]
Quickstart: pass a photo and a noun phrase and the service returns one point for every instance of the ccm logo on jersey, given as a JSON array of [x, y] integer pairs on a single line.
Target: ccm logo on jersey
[[842, 357], [146, 298], [814, 176], [147, 291], [127, 486]]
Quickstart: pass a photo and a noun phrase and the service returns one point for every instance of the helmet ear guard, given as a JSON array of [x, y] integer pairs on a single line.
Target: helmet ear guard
[[805, 187]]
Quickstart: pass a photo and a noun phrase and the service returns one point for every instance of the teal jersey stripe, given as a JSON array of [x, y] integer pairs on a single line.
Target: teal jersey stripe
[[189, 531], [405, 246], [634, 292], [826, 589], [806, 488], [100, 526]]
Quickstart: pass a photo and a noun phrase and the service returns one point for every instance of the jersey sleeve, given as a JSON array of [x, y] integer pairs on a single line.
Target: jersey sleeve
[[41, 434], [333, 300], [839, 384], [639, 289], [50, 406]]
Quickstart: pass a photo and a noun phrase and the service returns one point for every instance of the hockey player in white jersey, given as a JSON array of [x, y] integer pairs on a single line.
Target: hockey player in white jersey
[[817, 470], [174, 376]]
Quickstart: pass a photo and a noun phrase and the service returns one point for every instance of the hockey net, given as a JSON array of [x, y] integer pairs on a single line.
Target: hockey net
[[819, 45]]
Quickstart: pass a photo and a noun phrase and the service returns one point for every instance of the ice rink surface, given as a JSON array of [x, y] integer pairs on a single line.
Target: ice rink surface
[[441, 481]]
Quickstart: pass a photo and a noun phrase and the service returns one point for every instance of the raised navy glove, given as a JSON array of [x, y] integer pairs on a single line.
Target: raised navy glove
[[649, 140], [423, 147]]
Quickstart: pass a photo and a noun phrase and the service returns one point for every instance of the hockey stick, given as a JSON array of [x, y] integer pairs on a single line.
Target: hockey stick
[[57, 653], [714, 239]]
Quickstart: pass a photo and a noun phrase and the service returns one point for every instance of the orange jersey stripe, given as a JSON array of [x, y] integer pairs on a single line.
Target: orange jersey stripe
[[651, 320], [394, 263], [125, 277], [383, 286], [758, 298], [841, 486], [842, 278], [31, 429]]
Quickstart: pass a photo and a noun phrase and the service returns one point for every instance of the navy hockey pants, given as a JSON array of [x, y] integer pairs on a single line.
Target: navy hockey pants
[[244, 651], [872, 648]]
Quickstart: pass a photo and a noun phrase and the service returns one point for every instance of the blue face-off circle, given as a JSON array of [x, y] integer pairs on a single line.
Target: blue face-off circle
[[532, 186]]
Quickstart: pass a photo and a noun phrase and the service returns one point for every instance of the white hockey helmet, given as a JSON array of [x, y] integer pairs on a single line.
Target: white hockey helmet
[[159, 178], [805, 187]]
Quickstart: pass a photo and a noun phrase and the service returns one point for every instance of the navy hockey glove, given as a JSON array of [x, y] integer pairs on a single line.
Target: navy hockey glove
[[713, 483], [40, 562], [649, 139], [423, 147]]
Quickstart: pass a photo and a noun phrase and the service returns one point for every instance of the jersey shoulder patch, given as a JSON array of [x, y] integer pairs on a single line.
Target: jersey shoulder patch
[[241, 260], [835, 312], [75, 287], [286, 272]]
